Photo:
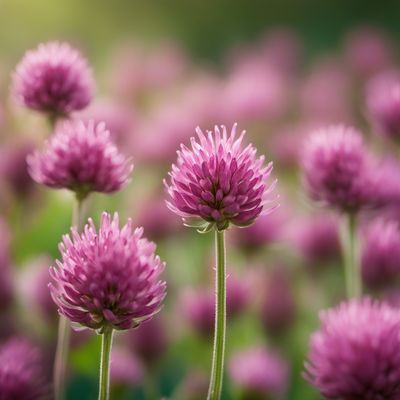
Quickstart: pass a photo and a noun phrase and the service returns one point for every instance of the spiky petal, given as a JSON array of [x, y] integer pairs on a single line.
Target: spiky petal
[[109, 277], [355, 353], [218, 181], [337, 168], [53, 78], [81, 157]]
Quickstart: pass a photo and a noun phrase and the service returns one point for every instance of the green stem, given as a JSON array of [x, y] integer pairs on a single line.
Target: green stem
[[217, 369], [106, 343], [352, 271], [64, 330]]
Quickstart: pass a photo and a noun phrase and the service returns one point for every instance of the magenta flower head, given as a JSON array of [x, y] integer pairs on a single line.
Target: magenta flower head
[[107, 278], [22, 371], [383, 104], [354, 355], [259, 373], [380, 254], [80, 157], [54, 78], [219, 182], [336, 168]]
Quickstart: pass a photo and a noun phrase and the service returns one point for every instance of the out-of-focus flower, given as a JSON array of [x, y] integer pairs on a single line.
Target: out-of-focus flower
[[328, 76], [354, 355], [198, 308], [387, 182], [337, 169], [118, 117], [368, 51], [125, 368], [35, 288], [383, 104], [136, 72], [283, 49], [80, 157], [254, 93], [218, 182], [265, 231], [237, 295], [278, 308], [162, 132], [149, 340], [285, 143], [156, 219], [317, 239], [194, 386], [259, 373], [22, 372], [6, 286], [54, 78], [380, 253], [14, 169], [109, 277]]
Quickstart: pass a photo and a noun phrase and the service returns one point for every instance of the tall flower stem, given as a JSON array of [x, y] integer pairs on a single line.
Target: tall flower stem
[[352, 270], [217, 369], [106, 344], [64, 330]]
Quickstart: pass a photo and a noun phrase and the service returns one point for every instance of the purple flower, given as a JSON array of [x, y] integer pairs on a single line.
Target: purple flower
[[265, 231], [354, 355], [383, 103], [151, 212], [35, 289], [259, 373], [336, 168], [198, 308], [381, 253], [13, 167], [110, 277], [194, 386], [317, 239], [80, 157], [368, 51], [6, 286], [254, 92], [219, 182], [125, 368], [278, 308], [149, 340], [53, 78], [119, 118], [386, 175], [327, 76], [22, 372]]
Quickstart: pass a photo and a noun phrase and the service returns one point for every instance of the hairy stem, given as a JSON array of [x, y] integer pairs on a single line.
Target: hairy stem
[[106, 344], [217, 369]]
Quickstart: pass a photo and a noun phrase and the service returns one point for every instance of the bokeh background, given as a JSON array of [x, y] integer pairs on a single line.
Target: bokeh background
[[162, 68]]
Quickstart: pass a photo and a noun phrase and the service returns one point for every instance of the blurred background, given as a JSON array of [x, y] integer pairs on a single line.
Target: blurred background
[[279, 69]]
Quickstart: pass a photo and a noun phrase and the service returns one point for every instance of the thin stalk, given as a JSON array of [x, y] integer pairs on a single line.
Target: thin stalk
[[352, 270], [106, 344], [217, 369], [64, 330]]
